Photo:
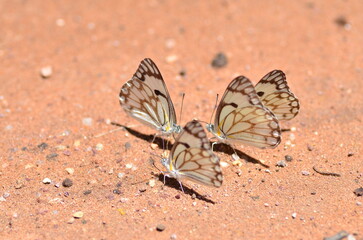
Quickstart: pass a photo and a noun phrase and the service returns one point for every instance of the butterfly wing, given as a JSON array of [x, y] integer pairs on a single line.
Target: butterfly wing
[[146, 98], [241, 117], [276, 95], [192, 157]]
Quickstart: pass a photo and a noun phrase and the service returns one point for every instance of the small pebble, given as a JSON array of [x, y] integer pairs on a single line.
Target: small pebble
[[358, 192], [219, 61], [70, 171], [47, 181], [266, 204], [170, 43], [153, 146], [6, 195], [267, 171], [194, 204], [358, 203], [2, 199], [224, 164], [116, 191], [46, 72], [57, 185], [42, 146], [152, 183], [71, 220], [194, 196], [294, 215], [171, 58], [51, 156], [173, 236], [67, 182], [350, 154], [127, 145], [124, 200], [129, 166], [235, 157], [77, 143], [160, 227], [177, 196], [99, 146], [122, 211], [305, 173], [288, 158], [281, 163], [310, 148], [78, 214], [237, 163], [87, 121], [87, 192], [120, 175]]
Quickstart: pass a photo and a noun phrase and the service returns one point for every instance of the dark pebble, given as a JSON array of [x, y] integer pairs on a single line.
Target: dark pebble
[[67, 182], [220, 60], [119, 184], [359, 192], [127, 145], [87, 192], [116, 191], [24, 148], [313, 193], [310, 148], [66, 194], [182, 73], [288, 158], [341, 21], [160, 227], [67, 152], [142, 190], [177, 196], [281, 163], [42, 146], [52, 156], [350, 154]]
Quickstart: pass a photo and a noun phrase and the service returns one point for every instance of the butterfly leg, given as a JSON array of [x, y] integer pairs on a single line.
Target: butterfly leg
[[181, 186], [213, 145]]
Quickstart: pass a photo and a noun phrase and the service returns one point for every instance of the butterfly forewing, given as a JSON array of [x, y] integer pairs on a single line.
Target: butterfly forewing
[[276, 95], [192, 158], [241, 117], [146, 98]]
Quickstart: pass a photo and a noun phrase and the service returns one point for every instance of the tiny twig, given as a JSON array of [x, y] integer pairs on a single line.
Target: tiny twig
[[326, 173]]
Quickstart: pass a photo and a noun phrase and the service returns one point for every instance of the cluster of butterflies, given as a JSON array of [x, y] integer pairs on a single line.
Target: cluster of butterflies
[[246, 114]]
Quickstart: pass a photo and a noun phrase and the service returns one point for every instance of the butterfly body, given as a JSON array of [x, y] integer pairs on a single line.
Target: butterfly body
[[191, 158], [146, 98], [241, 117]]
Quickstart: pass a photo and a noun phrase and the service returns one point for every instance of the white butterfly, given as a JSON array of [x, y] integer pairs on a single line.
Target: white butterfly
[[275, 94], [241, 117], [191, 158], [146, 98]]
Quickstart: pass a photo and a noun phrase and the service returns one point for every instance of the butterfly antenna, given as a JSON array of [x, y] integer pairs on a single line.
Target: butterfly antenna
[[214, 109], [181, 108]]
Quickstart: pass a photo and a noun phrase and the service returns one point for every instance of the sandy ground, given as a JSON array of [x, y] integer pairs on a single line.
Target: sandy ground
[[53, 127]]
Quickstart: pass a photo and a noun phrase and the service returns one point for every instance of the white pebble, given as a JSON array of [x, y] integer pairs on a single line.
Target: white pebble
[[235, 157], [47, 181], [267, 171], [129, 165], [2, 199], [46, 72], [152, 183], [194, 204], [87, 121], [99, 146], [266, 204], [224, 164], [294, 215], [171, 58], [70, 171], [120, 175], [60, 22], [305, 173]]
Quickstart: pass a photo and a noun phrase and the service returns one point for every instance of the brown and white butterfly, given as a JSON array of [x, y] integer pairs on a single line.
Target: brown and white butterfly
[[242, 118], [146, 98], [191, 158], [275, 94]]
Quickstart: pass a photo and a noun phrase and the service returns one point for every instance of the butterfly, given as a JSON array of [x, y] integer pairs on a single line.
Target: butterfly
[[241, 117], [146, 98], [191, 158], [275, 94]]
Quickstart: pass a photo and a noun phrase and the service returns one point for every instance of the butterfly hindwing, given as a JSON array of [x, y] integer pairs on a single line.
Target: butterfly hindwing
[[241, 117], [146, 98], [192, 158], [276, 95]]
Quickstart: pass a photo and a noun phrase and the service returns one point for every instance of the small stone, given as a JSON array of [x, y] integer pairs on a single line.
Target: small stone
[[2, 199], [120, 175], [127, 145], [177, 196], [87, 121], [183, 72], [46, 72], [47, 181], [310, 148], [153, 146], [160, 227], [288, 158], [173, 236], [116, 191], [78, 214], [266, 204], [60, 22], [60, 147], [224, 164], [51, 156], [124, 200], [220, 60], [281, 163], [358, 203], [194, 204], [170, 43], [305, 173], [67, 182], [71, 220], [171, 58], [194, 196], [267, 171], [6, 195], [129, 166], [77, 143], [122, 211], [42, 146], [237, 163], [70, 171], [152, 183], [294, 215], [350, 154], [87, 192], [235, 157], [99, 146], [358, 192]]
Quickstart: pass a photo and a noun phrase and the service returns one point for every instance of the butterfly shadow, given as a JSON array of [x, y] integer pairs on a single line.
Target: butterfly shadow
[[161, 142], [173, 183], [227, 149]]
